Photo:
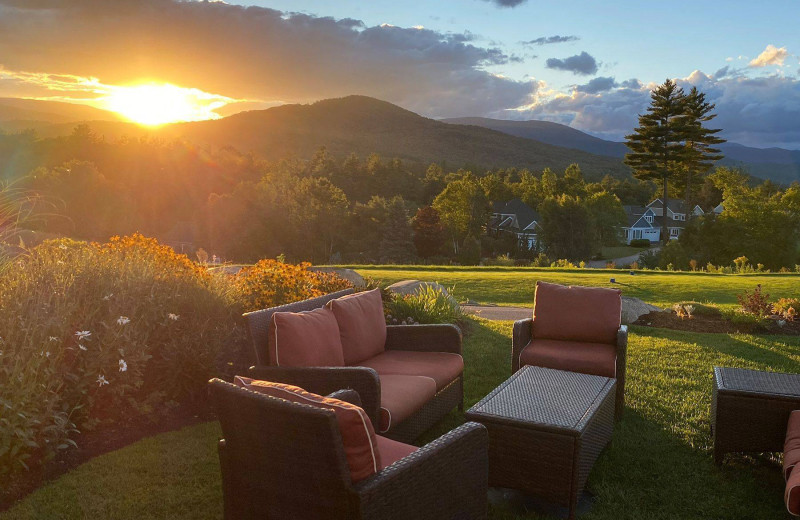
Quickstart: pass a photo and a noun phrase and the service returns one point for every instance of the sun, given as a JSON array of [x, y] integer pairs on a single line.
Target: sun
[[155, 104]]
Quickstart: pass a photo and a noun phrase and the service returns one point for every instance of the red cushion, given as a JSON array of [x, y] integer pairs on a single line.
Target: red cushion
[[590, 314], [442, 367], [791, 447], [599, 359], [392, 451], [358, 435], [792, 494], [305, 339], [401, 396], [362, 325]]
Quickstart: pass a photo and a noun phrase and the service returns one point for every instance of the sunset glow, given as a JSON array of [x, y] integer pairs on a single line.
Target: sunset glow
[[157, 104]]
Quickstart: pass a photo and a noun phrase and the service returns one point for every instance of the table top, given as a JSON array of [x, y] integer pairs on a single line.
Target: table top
[[544, 396], [757, 381]]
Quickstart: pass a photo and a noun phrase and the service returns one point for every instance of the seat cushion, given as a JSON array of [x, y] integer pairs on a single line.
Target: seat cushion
[[598, 359], [305, 339], [792, 494], [591, 314], [442, 367], [362, 325], [791, 447], [401, 396], [358, 435], [392, 451]]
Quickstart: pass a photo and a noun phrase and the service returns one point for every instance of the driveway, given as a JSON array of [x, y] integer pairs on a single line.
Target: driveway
[[495, 312], [601, 264]]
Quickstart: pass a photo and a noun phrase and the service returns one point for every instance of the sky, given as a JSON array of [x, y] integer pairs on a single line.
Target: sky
[[584, 63]]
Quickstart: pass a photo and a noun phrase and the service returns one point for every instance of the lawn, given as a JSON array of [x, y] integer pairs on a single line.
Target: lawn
[[659, 465], [515, 286]]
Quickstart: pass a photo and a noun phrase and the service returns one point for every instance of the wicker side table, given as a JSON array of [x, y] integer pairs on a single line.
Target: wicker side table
[[546, 429], [750, 410]]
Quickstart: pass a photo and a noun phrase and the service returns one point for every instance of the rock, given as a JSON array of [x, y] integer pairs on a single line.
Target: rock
[[348, 274], [413, 286], [633, 308]]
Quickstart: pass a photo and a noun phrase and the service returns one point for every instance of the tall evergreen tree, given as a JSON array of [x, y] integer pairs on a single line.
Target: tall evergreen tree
[[397, 245], [428, 232], [700, 143], [658, 144]]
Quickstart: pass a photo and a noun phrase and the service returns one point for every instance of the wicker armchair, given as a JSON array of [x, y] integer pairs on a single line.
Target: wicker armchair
[[366, 381], [286, 460]]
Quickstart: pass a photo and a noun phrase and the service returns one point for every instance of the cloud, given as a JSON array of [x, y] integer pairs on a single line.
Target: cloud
[[254, 53], [600, 84], [771, 56], [547, 40], [506, 3], [583, 63]]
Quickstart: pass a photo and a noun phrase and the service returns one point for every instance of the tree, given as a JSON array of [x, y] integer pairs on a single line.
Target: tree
[[699, 143], [608, 217], [463, 208], [567, 230], [397, 245], [658, 149], [428, 232]]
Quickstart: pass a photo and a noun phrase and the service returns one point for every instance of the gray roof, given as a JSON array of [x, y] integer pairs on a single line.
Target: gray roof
[[524, 213], [675, 205]]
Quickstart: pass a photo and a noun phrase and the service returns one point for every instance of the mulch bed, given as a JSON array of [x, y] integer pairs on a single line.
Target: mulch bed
[[715, 323], [104, 440]]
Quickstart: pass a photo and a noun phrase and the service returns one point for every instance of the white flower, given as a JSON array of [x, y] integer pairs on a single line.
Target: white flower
[[173, 317], [80, 346], [101, 380], [53, 338], [62, 246], [82, 334], [108, 296], [123, 320], [123, 366], [47, 354]]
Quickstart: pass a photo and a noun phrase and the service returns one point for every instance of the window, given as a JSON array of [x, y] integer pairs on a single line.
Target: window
[[637, 233], [649, 219], [674, 232]]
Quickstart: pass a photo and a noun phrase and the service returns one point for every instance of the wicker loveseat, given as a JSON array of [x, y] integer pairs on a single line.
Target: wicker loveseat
[[411, 384], [282, 459], [576, 329]]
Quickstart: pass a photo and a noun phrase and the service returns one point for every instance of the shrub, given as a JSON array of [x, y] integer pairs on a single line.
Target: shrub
[[93, 332], [787, 308], [640, 242], [541, 260], [500, 260], [649, 259], [427, 305], [271, 282], [755, 303]]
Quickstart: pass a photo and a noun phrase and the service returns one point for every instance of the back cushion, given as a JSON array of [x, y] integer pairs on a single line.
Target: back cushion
[[305, 339], [358, 435], [362, 325], [590, 314]]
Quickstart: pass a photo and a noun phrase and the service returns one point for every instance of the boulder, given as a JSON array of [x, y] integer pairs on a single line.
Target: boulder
[[413, 286], [632, 308], [348, 274]]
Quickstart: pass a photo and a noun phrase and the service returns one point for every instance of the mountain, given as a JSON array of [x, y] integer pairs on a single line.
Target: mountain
[[17, 113], [364, 125], [776, 164]]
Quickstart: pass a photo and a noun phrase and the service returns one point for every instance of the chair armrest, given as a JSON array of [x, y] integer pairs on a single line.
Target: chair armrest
[[446, 478], [441, 337], [347, 395], [520, 337], [325, 380], [622, 354]]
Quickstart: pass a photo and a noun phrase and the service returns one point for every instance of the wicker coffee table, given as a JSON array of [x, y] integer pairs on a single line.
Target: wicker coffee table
[[750, 410], [546, 429]]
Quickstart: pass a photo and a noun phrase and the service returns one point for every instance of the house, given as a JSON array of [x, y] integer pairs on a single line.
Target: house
[[517, 218], [645, 222]]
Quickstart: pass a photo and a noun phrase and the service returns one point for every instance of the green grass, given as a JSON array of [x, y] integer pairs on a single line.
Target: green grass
[[659, 465], [515, 285], [611, 252]]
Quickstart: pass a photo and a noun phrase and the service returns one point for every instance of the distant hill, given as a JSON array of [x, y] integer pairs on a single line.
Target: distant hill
[[16, 113], [777, 164], [364, 125]]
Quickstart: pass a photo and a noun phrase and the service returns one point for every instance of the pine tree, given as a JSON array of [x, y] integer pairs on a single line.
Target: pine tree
[[428, 232], [658, 144], [700, 142], [397, 245]]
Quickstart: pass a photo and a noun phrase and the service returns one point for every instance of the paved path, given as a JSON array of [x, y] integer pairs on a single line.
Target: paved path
[[494, 312], [601, 264]]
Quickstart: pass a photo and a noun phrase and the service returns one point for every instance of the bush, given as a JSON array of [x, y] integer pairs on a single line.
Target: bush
[[639, 242], [755, 303], [92, 332], [649, 259], [428, 305], [271, 282], [787, 308]]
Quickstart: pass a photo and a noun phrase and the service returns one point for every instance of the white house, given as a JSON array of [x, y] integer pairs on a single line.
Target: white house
[[645, 222], [517, 218]]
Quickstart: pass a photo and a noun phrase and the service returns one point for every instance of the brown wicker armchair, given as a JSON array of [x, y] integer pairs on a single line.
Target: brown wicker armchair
[[366, 381], [610, 349], [281, 459]]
